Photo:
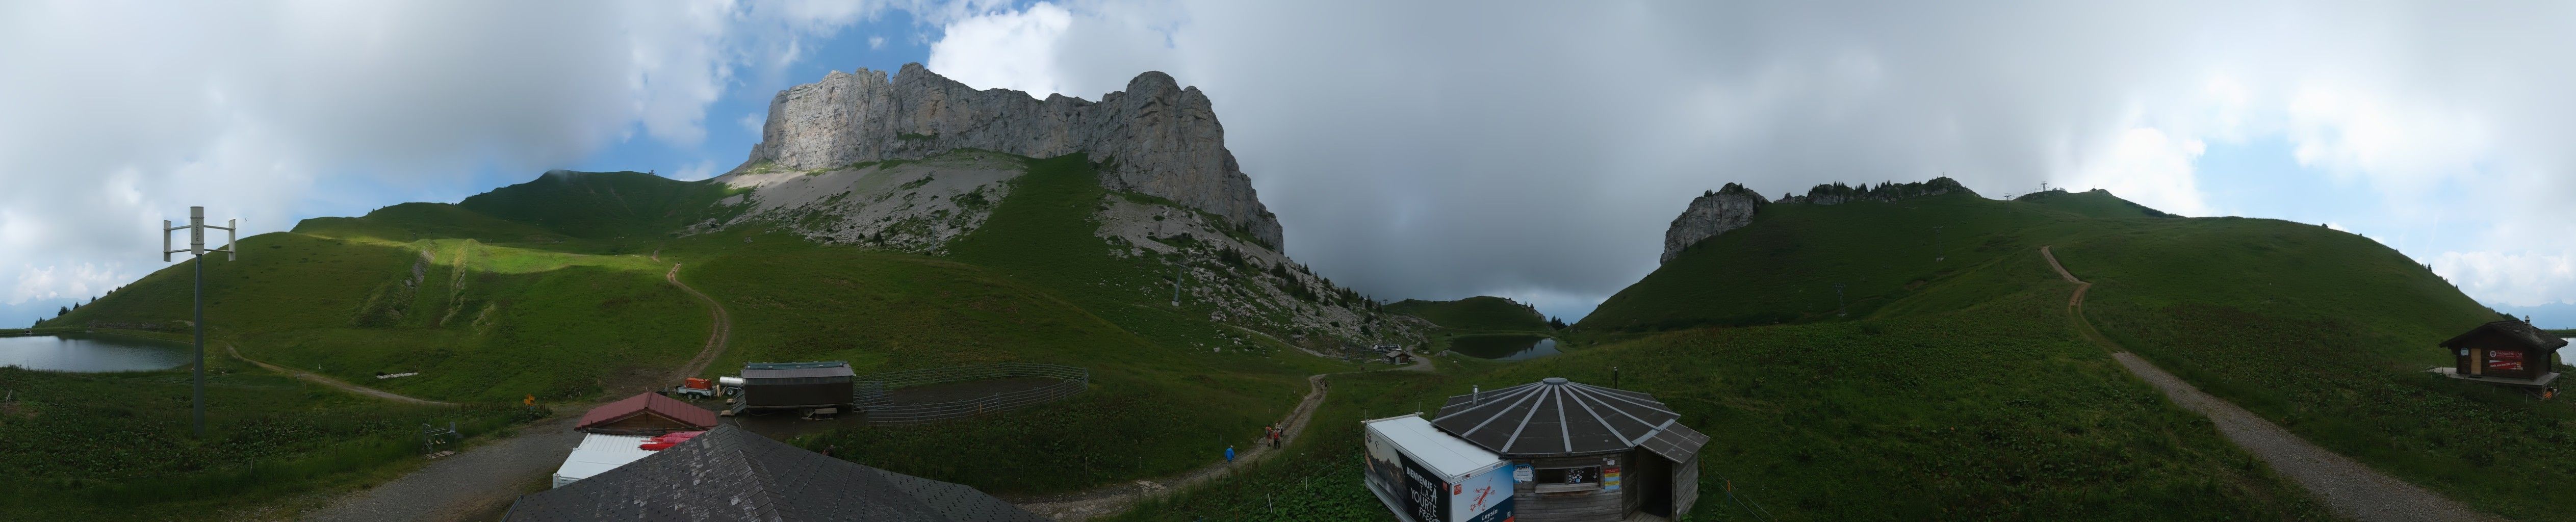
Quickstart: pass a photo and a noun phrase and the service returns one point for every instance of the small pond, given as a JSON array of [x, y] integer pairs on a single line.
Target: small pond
[[1504, 347], [91, 353]]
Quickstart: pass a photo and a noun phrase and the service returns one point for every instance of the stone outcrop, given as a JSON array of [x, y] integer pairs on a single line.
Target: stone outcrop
[[1711, 214], [1155, 138], [1733, 206]]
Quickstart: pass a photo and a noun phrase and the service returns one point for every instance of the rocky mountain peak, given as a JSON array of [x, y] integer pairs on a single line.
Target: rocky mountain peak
[[1712, 213], [1156, 138]]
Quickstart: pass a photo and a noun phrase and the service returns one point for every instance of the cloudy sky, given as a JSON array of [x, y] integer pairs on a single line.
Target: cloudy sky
[[1412, 149]]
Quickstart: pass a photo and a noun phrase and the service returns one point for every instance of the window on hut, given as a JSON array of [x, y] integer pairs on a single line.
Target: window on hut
[[1566, 479]]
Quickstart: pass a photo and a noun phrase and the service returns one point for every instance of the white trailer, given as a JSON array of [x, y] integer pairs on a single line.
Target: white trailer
[[1424, 475]]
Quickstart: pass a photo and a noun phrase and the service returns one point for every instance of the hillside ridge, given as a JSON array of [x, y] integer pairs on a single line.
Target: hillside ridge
[[1733, 206]]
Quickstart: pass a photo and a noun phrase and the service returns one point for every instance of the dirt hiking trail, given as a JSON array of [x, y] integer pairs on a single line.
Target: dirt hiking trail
[[1086, 505], [2349, 488]]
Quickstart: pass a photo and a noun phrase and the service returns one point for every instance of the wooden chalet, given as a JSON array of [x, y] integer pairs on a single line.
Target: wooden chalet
[[2508, 352], [1582, 453], [646, 414], [730, 474]]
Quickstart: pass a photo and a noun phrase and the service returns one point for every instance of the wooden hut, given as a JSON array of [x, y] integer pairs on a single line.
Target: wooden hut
[[1582, 453], [2507, 352], [796, 385], [646, 414], [730, 474]]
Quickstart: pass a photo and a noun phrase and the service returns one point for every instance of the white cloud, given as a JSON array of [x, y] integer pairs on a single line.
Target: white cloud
[[2149, 167], [125, 113], [2512, 279], [876, 42], [82, 281], [752, 121], [1427, 149], [1009, 49]]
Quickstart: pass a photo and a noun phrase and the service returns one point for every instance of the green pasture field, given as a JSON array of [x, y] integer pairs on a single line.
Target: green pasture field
[[2329, 334], [117, 446]]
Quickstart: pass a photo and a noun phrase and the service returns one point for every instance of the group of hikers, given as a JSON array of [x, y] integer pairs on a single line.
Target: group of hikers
[[1270, 434]]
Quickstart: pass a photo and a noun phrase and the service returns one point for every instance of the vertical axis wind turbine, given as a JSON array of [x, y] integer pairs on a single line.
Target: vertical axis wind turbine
[[196, 228]]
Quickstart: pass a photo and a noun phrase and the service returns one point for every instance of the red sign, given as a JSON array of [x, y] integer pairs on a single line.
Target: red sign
[[2502, 360]]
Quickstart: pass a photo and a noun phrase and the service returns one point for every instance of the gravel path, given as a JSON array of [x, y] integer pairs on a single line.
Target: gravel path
[[327, 381], [715, 339], [467, 482], [2348, 487]]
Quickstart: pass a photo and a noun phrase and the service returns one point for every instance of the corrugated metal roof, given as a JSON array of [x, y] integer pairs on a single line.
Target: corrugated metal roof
[[1555, 417], [731, 474], [796, 369], [652, 402], [1432, 449], [599, 453], [1675, 442]]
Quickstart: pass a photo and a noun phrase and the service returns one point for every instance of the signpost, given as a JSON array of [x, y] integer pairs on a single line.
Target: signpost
[[196, 228]]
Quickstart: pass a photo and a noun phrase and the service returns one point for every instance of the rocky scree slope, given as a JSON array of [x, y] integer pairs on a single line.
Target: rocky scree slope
[[1733, 206], [1155, 138]]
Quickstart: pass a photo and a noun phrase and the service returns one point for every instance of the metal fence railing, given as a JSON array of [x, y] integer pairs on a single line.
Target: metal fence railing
[[870, 391]]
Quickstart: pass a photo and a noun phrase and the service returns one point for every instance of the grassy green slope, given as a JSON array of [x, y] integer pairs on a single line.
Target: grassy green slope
[[117, 446], [479, 322], [2092, 203], [2329, 334], [1993, 411], [602, 204], [2323, 331], [409, 222], [1783, 268], [1153, 408], [1474, 313]]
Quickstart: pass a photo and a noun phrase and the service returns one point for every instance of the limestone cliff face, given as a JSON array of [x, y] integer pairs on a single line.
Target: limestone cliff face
[[1155, 138], [1711, 214]]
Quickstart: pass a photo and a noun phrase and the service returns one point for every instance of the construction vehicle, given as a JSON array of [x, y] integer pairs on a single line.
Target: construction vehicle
[[697, 386]]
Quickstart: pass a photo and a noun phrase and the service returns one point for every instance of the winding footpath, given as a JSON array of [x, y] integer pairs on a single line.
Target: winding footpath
[[235, 351], [723, 326], [2349, 488], [482, 480], [1106, 501]]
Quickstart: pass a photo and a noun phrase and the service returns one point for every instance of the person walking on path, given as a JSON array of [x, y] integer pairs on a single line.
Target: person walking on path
[[1229, 455]]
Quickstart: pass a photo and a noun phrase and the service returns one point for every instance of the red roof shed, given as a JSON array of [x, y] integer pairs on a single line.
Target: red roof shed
[[646, 414]]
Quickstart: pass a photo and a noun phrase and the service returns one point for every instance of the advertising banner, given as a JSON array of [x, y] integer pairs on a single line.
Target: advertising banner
[[2504, 361], [1384, 474], [1610, 478], [1482, 497], [1426, 497]]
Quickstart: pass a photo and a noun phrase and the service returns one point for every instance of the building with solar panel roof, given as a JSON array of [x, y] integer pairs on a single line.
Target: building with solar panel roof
[[1580, 452]]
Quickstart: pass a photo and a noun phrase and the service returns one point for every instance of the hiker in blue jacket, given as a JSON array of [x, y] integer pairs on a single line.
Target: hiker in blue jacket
[[1229, 454]]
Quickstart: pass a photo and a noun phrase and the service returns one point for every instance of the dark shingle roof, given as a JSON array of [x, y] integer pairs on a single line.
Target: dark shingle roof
[[2518, 331], [731, 474], [1558, 417]]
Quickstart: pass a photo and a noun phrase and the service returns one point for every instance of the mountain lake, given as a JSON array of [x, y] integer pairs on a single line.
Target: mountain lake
[[1504, 347], [91, 353]]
